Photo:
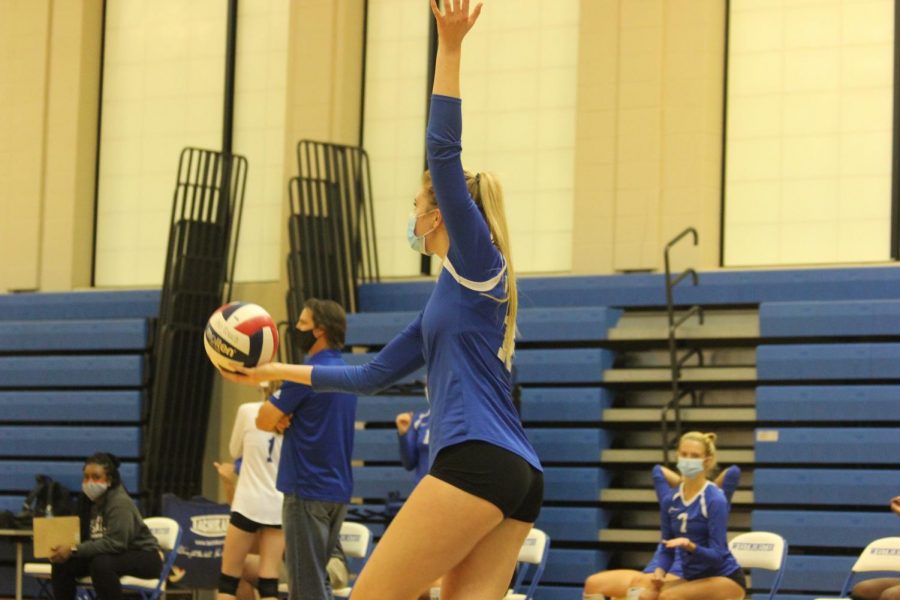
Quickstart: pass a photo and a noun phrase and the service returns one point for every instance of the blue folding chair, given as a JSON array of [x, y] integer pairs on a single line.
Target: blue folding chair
[[761, 550], [534, 553]]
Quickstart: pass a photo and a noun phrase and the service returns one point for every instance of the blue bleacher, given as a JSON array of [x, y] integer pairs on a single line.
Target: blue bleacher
[[379, 482], [141, 304], [386, 408], [577, 484], [572, 566], [844, 318], [576, 524], [68, 336], [569, 445], [67, 405], [564, 404], [827, 528], [558, 592], [825, 574], [810, 487], [828, 403], [828, 445], [17, 476], [75, 442], [535, 325], [819, 362], [102, 371], [638, 290]]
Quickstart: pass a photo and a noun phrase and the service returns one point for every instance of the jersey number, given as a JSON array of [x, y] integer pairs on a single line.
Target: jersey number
[[684, 520], [271, 448]]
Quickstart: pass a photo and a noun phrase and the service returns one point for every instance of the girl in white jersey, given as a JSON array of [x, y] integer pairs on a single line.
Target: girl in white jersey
[[256, 508]]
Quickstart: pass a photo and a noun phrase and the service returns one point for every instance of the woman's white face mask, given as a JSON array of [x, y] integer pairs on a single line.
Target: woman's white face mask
[[417, 242]]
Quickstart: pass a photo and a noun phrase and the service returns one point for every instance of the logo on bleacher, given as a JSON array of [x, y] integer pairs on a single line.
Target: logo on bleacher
[[753, 547], [886, 551], [210, 525]]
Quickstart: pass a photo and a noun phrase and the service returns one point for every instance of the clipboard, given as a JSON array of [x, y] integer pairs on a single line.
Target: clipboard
[[55, 531]]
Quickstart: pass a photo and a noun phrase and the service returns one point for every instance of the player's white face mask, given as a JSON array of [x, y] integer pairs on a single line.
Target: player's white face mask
[[417, 242], [690, 467]]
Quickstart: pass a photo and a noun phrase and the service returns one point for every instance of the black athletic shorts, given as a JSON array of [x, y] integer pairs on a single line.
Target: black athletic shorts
[[248, 525], [738, 577], [499, 476]]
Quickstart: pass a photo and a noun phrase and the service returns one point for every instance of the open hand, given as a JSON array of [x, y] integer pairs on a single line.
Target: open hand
[[60, 554], [895, 505], [252, 376], [226, 471], [681, 542], [455, 22]]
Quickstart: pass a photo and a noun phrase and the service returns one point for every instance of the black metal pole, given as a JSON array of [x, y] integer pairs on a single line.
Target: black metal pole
[[425, 264], [724, 133], [97, 151], [895, 158], [362, 87], [228, 110]]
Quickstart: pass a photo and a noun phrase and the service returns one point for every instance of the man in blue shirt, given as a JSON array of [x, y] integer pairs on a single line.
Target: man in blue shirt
[[314, 472]]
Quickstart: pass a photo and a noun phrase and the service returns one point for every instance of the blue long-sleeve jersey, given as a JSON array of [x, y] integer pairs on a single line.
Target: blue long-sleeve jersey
[[459, 334], [414, 444], [704, 520]]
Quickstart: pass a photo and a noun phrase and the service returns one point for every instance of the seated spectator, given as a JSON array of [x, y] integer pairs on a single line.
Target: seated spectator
[[121, 544], [615, 583], [883, 588]]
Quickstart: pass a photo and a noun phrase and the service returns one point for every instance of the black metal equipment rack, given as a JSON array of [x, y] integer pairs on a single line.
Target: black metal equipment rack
[[331, 227], [203, 235], [676, 362]]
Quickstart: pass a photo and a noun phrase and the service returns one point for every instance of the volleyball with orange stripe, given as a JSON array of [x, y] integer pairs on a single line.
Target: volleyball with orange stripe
[[240, 334]]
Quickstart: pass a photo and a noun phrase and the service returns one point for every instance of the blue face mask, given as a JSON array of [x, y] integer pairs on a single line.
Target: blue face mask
[[690, 467], [417, 242]]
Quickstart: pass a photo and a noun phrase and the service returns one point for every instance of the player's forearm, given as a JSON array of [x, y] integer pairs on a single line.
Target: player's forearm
[[446, 70]]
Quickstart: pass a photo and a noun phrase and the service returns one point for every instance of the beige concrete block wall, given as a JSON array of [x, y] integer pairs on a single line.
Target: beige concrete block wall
[[49, 71], [24, 48], [649, 121]]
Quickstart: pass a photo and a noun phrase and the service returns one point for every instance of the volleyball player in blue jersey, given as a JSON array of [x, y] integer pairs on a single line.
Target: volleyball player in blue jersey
[[694, 519], [466, 519], [615, 583]]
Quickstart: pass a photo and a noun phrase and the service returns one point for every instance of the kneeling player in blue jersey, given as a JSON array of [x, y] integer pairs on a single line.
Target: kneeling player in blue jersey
[[694, 519], [615, 583]]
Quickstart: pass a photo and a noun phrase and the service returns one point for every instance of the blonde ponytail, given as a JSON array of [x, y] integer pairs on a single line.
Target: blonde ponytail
[[485, 189], [488, 195]]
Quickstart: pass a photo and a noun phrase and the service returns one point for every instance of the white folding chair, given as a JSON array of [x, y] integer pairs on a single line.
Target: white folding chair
[[533, 553], [761, 550], [167, 533], [356, 540], [879, 556]]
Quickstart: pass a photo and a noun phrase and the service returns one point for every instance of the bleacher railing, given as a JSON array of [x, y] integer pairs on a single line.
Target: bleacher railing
[[331, 227], [206, 216], [676, 362]]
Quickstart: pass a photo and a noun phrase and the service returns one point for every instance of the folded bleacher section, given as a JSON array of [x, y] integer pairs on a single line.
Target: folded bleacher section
[[74, 378], [801, 381]]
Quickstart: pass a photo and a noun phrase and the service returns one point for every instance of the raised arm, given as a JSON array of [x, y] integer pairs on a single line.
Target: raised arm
[[471, 249]]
